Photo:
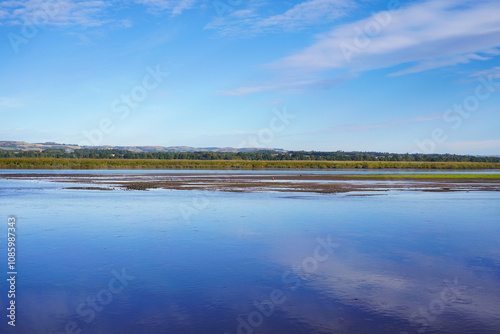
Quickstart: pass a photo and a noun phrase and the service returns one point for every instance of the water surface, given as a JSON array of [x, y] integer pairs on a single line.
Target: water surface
[[211, 262]]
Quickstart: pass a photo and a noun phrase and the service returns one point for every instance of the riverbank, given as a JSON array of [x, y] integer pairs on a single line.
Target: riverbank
[[63, 163]]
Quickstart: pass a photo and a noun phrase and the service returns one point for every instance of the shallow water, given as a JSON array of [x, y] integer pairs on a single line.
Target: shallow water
[[213, 262]]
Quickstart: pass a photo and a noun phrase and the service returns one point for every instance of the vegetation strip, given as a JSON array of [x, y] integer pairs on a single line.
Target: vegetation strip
[[6, 151], [429, 176], [71, 163]]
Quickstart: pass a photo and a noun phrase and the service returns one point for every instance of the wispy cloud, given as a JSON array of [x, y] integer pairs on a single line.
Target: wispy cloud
[[438, 63], [80, 12], [249, 21], [3, 14], [54, 12], [174, 7], [426, 35], [308, 13], [494, 72], [289, 85]]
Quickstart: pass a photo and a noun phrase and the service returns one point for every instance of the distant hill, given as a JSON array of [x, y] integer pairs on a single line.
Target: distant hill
[[21, 146], [18, 149]]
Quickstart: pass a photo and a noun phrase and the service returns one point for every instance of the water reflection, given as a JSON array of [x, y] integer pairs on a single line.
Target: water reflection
[[254, 263]]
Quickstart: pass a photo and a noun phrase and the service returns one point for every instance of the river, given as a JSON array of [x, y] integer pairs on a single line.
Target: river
[[188, 261]]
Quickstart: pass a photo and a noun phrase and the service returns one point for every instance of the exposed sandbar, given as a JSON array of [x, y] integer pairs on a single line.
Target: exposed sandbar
[[299, 182]]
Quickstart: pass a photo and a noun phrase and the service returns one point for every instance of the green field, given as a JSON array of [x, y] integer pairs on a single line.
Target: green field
[[64, 163]]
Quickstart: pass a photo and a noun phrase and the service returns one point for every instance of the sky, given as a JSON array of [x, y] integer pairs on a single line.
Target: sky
[[324, 75]]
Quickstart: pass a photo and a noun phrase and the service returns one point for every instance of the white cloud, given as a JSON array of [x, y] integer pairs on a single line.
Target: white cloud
[[175, 7], [247, 21], [307, 13], [494, 72], [438, 63], [291, 85], [79, 12], [431, 34], [243, 13], [241, 91], [83, 39], [54, 12]]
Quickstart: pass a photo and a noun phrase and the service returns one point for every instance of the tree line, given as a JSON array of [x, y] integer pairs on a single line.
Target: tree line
[[250, 156]]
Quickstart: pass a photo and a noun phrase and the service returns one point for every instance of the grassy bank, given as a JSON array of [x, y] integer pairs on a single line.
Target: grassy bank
[[63, 163], [428, 176]]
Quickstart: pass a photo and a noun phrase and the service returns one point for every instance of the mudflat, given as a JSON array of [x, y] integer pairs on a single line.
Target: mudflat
[[299, 182]]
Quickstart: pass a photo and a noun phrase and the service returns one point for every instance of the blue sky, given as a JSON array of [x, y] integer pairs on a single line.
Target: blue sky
[[408, 76]]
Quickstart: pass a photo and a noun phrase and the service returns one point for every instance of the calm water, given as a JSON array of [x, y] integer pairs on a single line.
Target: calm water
[[214, 262]]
